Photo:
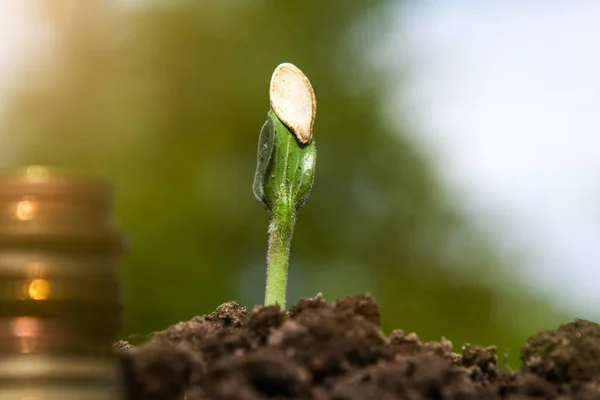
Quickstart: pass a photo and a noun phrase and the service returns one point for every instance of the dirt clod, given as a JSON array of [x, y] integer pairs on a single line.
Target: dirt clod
[[159, 372], [570, 353], [323, 350]]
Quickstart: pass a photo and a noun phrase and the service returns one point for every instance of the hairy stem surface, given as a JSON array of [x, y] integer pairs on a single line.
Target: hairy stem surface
[[281, 229]]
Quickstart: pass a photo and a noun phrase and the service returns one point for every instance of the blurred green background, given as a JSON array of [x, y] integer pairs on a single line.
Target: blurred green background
[[166, 99]]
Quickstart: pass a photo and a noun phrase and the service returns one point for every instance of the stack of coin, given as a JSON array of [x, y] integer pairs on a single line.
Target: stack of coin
[[60, 299]]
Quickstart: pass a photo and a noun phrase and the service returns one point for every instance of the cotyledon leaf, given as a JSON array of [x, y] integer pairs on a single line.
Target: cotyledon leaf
[[265, 150], [285, 167]]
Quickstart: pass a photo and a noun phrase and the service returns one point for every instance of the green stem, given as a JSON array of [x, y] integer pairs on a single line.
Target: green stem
[[281, 228]]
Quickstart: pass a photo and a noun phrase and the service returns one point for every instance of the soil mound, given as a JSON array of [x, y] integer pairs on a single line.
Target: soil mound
[[322, 350]]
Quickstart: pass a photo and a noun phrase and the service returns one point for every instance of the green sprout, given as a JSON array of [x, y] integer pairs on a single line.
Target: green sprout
[[285, 168]]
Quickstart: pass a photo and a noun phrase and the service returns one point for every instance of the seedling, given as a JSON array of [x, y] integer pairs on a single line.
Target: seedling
[[285, 168]]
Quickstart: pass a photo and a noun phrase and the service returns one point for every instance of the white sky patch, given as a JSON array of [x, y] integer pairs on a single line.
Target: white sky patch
[[22, 35], [507, 95], [13, 34]]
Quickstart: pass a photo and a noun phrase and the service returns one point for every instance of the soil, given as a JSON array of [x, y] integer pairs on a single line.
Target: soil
[[322, 350]]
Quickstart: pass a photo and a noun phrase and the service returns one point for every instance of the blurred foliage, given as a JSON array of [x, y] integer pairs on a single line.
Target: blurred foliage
[[166, 100]]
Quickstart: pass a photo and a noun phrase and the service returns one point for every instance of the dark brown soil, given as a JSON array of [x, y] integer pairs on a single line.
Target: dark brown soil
[[336, 351]]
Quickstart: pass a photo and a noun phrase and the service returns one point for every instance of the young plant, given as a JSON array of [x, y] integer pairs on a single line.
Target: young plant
[[285, 168]]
